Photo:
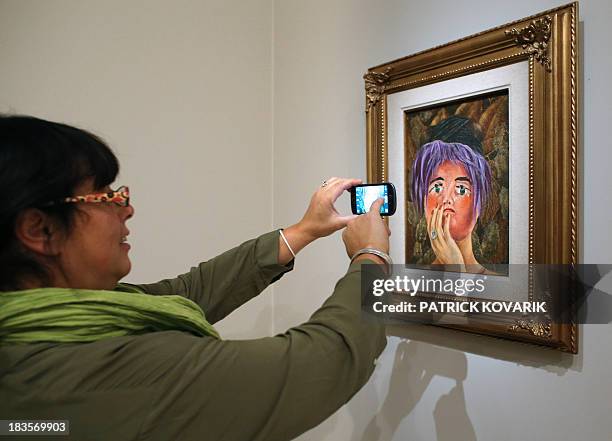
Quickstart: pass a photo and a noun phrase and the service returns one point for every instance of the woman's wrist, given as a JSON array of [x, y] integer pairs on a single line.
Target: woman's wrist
[[372, 257], [300, 234], [304, 232], [297, 237]]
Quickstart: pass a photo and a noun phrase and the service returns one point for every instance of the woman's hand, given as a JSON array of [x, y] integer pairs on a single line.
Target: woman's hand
[[367, 231], [321, 218], [444, 246]]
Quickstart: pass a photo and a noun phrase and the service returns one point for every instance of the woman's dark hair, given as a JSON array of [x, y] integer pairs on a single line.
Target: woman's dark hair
[[458, 129], [40, 162]]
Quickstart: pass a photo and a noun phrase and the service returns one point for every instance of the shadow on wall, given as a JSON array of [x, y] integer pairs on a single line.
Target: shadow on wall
[[423, 353], [414, 366], [432, 351], [547, 359]]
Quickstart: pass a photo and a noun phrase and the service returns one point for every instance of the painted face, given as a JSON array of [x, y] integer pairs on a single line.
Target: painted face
[[450, 188], [94, 255]]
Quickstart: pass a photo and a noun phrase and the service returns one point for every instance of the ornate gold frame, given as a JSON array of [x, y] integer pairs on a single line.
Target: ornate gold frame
[[549, 42]]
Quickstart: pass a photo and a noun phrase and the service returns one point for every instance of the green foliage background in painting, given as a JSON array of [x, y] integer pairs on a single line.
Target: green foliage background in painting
[[489, 113]]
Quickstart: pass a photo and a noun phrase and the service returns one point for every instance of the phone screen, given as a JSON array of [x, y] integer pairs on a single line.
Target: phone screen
[[364, 196]]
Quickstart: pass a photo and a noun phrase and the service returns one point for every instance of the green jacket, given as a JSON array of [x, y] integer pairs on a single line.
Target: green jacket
[[175, 386]]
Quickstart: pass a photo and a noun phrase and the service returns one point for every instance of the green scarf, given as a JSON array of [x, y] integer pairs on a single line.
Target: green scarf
[[62, 315]]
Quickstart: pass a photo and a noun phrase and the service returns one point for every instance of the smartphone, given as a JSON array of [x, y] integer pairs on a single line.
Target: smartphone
[[363, 195]]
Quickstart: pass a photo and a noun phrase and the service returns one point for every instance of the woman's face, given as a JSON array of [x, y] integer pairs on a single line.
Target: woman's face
[[95, 253], [450, 188]]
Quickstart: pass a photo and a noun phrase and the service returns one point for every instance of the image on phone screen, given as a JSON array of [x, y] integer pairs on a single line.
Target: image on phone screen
[[364, 196]]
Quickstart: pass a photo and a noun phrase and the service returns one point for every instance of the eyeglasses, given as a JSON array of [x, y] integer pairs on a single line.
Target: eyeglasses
[[120, 197]]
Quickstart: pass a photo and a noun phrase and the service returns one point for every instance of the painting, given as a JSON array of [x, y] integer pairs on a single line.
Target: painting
[[457, 158], [480, 138]]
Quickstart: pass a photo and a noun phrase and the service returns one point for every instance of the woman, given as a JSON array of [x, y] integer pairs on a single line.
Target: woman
[[143, 361], [450, 184]]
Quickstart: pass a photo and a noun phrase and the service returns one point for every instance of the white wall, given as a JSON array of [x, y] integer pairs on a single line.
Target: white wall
[[431, 384], [182, 91]]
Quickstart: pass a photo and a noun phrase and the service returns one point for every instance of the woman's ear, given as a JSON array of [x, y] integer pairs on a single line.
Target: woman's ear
[[38, 232]]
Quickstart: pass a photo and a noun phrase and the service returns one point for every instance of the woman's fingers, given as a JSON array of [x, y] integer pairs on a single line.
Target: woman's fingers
[[435, 224], [442, 236], [439, 226], [321, 217], [344, 220], [429, 222], [368, 230], [434, 218], [447, 226], [336, 186], [440, 244], [444, 247], [430, 231], [375, 207]]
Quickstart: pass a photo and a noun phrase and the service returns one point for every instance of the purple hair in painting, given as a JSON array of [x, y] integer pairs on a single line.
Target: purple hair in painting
[[431, 155]]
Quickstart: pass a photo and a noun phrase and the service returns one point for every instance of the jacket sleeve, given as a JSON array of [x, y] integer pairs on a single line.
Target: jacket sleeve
[[271, 388], [229, 280]]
